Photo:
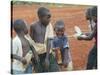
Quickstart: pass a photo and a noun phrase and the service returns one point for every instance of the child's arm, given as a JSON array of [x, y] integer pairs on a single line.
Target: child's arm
[[48, 47], [13, 56], [66, 56], [49, 42], [34, 53], [15, 48], [87, 34], [66, 51], [32, 32], [90, 35], [32, 47]]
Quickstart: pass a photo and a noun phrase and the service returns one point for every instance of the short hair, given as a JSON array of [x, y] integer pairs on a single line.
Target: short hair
[[42, 11], [89, 13], [19, 25], [94, 11], [59, 25]]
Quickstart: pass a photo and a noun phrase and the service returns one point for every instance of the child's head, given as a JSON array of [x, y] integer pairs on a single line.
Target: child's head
[[20, 26], [94, 13], [44, 15], [59, 28], [88, 14]]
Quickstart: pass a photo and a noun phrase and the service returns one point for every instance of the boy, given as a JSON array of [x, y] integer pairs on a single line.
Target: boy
[[42, 33], [20, 48], [60, 44]]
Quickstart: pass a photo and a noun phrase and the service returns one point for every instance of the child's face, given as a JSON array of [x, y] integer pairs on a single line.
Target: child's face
[[25, 29], [88, 17], [94, 19], [60, 32], [46, 19]]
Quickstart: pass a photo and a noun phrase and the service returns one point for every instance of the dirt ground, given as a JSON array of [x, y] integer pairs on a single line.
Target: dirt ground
[[71, 16]]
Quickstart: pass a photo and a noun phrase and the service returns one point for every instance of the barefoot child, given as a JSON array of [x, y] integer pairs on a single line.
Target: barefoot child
[[20, 48], [92, 57], [42, 33], [61, 46]]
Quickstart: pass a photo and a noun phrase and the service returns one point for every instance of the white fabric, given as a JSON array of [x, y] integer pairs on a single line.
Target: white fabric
[[17, 50], [49, 32], [40, 48], [70, 66]]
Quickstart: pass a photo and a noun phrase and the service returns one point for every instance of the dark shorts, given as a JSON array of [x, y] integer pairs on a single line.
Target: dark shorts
[[92, 58], [53, 67]]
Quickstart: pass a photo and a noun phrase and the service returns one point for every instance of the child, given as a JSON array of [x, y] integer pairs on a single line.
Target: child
[[42, 33], [89, 18], [92, 57], [20, 48], [60, 45]]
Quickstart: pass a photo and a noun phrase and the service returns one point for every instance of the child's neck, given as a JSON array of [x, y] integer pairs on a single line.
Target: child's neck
[[59, 35], [21, 34]]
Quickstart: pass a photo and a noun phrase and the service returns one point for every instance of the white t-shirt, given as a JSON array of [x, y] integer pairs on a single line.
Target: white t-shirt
[[17, 50]]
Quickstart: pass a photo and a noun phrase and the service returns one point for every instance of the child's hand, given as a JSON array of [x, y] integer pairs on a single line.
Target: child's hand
[[65, 65], [57, 48], [79, 38], [24, 61], [66, 57], [37, 58]]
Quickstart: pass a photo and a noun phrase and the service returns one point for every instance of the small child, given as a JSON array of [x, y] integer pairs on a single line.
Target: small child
[[92, 57], [61, 46], [22, 50]]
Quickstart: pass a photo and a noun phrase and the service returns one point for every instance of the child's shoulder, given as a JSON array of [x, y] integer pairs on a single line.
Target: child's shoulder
[[64, 36], [55, 37], [35, 23]]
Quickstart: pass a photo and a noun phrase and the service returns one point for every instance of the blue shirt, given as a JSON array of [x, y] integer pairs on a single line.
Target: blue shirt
[[61, 42]]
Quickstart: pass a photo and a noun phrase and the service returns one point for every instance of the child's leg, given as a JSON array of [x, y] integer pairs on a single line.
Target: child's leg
[[29, 69], [67, 59], [53, 67], [63, 65], [15, 72], [92, 58], [70, 66]]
